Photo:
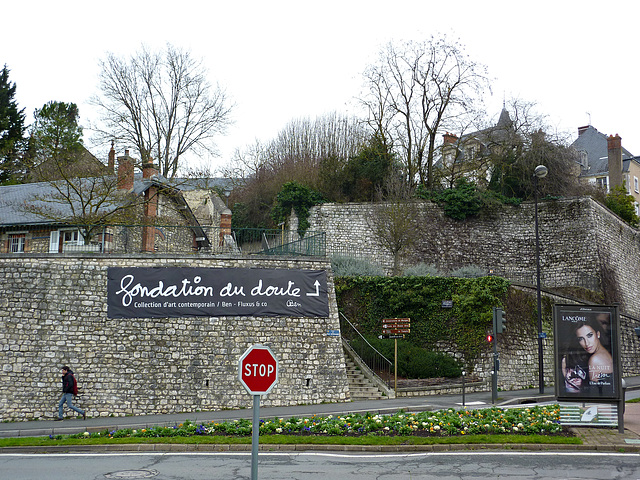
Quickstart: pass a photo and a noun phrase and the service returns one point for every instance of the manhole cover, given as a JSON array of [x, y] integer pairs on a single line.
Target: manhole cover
[[132, 474]]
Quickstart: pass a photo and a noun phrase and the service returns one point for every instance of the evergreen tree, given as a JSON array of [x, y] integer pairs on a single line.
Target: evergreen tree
[[11, 132], [365, 173], [55, 145]]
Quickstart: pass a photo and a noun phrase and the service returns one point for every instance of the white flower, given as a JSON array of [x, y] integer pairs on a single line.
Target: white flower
[[278, 430], [86, 434]]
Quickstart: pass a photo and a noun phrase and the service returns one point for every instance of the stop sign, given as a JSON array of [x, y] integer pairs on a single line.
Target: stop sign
[[258, 370]]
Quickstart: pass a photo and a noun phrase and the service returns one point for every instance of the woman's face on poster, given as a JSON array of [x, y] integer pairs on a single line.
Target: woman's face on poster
[[588, 338]]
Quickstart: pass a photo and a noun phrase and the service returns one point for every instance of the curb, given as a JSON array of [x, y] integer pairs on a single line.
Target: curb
[[246, 448]]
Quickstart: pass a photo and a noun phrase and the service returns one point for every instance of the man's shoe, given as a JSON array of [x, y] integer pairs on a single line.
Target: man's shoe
[[58, 419]]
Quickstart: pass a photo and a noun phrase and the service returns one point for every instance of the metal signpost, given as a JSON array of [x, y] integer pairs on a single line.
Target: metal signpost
[[258, 373], [395, 328]]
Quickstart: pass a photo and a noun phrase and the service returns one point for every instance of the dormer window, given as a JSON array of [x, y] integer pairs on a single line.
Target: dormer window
[[584, 160]]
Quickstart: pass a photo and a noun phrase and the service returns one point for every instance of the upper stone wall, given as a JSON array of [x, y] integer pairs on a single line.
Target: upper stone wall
[[577, 238]]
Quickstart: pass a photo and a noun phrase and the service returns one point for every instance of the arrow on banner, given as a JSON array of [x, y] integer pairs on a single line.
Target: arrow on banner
[[317, 292]]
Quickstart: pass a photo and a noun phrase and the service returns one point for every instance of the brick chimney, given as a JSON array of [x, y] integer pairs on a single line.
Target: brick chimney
[[614, 148], [125, 172], [112, 159], [225, 224], [449, 138], [149, 169]]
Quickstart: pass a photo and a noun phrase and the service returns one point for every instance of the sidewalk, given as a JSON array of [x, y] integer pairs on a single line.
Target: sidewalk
[[594, 438]]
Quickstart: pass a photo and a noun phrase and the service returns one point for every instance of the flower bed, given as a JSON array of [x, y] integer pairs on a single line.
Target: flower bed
[[538, 420]]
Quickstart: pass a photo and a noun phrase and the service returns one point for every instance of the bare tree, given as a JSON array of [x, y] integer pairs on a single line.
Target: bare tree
[[516, 147], [304, 151], [162, 105], [415, 90], [393, 222]]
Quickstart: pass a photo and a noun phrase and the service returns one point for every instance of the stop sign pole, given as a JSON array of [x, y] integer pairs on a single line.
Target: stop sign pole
[[258, 374]]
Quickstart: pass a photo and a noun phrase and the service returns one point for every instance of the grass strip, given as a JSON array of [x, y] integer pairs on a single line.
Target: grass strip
[[297, 439]]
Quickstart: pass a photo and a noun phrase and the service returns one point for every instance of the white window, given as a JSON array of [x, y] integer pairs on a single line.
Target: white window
[[602, 183], [472, 151], [635, 184], [16, 242], [64, 240]]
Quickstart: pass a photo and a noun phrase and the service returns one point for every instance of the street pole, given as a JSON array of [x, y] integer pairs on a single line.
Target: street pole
[[540, 172], [255, 437], [395, 368], [494, 379]]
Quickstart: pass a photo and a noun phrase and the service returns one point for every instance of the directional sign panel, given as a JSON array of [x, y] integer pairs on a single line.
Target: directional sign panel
[[396, 326]]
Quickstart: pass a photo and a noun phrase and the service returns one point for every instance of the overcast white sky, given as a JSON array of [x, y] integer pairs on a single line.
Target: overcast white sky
[[284, 60]]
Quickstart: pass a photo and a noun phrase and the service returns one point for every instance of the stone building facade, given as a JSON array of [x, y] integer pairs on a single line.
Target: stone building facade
[[54, 312]]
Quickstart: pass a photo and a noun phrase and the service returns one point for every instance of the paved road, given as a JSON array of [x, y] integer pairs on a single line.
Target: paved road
[[322, 466]]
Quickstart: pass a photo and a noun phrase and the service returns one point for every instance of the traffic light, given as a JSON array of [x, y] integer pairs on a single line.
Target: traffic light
[[489, 338], [499, 321]]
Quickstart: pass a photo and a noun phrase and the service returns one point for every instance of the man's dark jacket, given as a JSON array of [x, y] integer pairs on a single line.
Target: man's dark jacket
[[67, 382]]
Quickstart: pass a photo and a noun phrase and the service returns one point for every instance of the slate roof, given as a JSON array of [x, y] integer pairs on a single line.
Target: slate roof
[[497, 133], [12, 196], [594, 143]]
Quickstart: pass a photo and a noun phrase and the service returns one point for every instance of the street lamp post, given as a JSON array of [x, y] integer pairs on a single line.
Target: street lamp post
[[227, 192], [539, 172]]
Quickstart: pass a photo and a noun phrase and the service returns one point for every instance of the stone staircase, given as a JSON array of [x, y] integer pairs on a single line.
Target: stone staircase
[[360, 386]]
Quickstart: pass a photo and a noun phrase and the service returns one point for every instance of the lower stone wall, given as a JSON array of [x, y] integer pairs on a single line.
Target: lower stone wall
[[54, 312]]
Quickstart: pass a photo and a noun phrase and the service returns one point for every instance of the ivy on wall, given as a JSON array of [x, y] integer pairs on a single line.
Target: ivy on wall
[[366, 301]]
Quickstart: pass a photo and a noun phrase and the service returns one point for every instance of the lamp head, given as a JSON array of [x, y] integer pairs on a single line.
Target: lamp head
[[541, 171]]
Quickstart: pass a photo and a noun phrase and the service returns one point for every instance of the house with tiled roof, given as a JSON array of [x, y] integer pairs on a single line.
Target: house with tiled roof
[[133, 212], [604, 162]]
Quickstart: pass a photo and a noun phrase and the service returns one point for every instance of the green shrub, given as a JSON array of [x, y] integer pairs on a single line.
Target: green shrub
[[413, 361], [422, 270], [622, 204], [354, 267], [298, 197], [469, 271], [460, 202]]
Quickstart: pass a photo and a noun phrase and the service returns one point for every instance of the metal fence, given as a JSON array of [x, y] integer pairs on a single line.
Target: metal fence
[[379, 365], [214, 240]]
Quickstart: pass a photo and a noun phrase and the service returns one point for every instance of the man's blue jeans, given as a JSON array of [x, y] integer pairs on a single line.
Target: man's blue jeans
[[68, 399]]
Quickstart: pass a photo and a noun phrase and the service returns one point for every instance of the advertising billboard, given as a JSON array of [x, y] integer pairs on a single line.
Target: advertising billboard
[[587, 361]]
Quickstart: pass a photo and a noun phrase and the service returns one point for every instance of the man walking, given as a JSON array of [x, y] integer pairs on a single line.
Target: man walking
[[67, 393]]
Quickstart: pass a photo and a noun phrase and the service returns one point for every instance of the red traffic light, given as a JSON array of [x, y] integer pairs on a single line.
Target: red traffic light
[[489, 338]]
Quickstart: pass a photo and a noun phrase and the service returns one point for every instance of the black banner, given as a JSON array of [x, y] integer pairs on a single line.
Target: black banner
[[214, 292], [586, 350]]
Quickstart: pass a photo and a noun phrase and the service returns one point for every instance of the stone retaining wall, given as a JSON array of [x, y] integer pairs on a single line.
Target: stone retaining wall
[[581, 244], [54, 312]]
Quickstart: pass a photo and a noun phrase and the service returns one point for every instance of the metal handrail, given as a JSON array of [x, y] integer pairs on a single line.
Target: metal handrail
[[379, 365]]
